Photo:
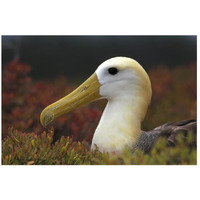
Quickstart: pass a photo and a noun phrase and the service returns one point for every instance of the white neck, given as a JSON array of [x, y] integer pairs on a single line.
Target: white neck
[[120, 125], [128, 94]]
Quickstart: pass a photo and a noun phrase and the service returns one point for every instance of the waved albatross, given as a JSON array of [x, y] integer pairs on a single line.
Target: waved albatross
[[127, 87]]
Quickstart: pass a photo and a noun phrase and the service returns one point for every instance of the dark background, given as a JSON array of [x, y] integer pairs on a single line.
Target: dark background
[[73, 56]]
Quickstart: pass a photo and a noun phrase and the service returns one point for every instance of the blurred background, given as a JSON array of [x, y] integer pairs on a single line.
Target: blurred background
[[77, 56], [38, 70]]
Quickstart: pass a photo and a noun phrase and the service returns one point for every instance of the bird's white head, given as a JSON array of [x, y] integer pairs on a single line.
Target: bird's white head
[[124, 78]]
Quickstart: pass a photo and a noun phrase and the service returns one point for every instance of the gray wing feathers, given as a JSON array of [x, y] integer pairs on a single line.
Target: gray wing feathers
[[168, 130]]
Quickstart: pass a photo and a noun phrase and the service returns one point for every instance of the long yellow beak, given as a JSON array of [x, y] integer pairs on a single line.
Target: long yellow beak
[[85, 93]]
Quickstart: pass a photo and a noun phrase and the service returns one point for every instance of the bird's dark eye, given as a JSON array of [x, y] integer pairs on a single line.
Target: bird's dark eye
[[113, 70]]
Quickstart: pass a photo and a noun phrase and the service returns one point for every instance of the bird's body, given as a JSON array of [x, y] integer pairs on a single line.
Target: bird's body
[[127, 87], [169, 130]]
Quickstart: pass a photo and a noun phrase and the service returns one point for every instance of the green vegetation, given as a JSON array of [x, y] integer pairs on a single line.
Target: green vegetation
[[31, 149]]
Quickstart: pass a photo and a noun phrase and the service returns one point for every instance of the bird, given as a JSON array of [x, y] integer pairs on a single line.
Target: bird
[[127, 87]]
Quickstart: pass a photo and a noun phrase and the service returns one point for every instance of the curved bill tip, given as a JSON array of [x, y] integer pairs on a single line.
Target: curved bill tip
[[46, 117]]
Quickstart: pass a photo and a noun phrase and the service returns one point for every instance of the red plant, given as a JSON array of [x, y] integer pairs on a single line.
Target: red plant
[[174, 95], [174, 98], [23, 100]]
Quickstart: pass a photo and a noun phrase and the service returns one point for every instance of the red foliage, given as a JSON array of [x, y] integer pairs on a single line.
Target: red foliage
[[174, 98], [174, 95], [162, 82], [23, 100]]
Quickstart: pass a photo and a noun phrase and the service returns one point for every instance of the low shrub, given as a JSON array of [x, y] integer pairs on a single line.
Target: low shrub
[[33, 149]]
